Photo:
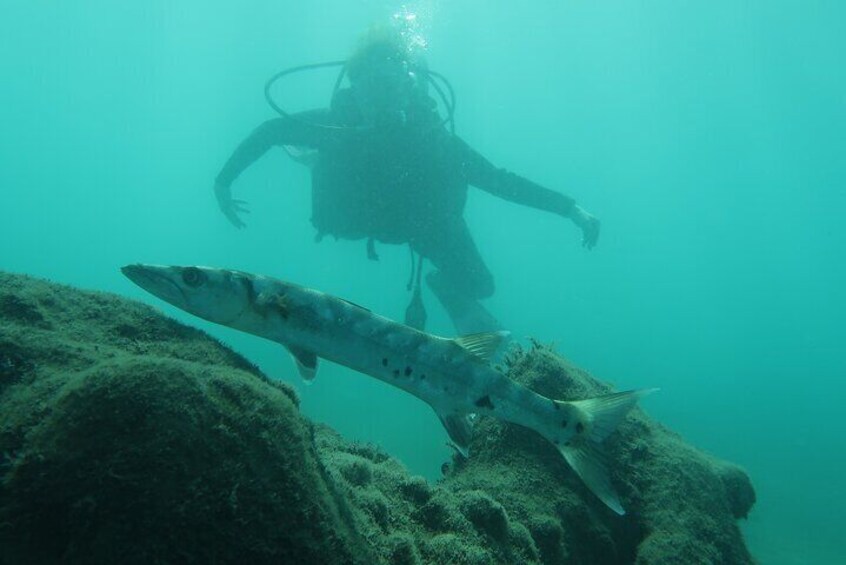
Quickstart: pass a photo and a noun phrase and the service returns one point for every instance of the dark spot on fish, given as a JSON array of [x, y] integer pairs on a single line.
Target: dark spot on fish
[[384, 361], [556, 442], [408, 371], [563, 423], [485, 402], [422, 377], [396, 372], [580, 428], [567, 443]]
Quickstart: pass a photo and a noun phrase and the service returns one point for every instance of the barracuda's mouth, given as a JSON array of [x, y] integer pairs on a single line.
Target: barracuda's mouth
[[157, 281]]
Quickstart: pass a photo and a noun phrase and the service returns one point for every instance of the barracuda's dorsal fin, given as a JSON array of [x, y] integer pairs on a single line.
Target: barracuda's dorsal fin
[[306, 362], [482, 345]]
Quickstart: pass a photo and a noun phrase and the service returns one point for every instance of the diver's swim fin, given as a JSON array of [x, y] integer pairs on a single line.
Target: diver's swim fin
[[415, 313]]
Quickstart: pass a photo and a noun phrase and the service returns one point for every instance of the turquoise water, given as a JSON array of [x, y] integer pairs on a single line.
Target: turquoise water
[[708, 138]]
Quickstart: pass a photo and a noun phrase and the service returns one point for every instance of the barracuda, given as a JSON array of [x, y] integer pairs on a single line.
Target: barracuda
[[452, 375]]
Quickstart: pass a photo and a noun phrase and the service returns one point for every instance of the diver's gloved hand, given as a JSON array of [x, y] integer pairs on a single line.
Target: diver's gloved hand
[[589, 225], [230, 208]]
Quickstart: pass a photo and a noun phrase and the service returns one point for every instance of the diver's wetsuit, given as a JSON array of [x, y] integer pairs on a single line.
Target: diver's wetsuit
[[400, 184]]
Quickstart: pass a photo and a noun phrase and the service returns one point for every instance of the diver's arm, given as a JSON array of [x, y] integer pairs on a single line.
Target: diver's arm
[[303, 131], [483, 174]]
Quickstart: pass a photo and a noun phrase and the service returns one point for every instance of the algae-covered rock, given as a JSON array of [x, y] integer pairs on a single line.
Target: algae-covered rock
[[406, 520], [127, 437]]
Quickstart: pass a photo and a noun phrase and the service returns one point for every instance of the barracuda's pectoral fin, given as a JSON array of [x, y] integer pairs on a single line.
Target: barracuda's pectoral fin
[[271, 301], [306, 362], [483, 345], [460, 430]]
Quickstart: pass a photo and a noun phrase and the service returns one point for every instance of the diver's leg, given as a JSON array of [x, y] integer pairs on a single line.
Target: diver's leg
[[467, 314], [461, 279]]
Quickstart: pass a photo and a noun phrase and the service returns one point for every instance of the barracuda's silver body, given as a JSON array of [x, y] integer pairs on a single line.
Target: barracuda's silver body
[[451, 375]]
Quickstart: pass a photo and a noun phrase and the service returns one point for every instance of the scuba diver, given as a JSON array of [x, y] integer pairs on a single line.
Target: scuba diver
[[386, 168]]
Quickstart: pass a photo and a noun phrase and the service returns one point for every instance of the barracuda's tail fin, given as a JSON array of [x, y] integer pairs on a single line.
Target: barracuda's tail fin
[[594, 419], [589, 463]]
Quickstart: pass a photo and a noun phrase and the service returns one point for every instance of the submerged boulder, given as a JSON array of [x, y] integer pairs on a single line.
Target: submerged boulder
[[130, 438], [127, 437]]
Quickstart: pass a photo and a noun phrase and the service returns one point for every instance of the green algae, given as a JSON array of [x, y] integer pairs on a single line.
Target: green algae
[[154, 445]]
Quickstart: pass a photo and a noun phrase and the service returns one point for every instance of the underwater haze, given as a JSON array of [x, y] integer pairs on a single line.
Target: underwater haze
[[709, 138]]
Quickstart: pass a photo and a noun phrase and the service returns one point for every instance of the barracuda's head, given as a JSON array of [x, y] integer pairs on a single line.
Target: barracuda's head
[[214, 294]]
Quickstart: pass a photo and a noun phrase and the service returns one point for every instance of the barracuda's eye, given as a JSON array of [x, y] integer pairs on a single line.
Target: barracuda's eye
[[193, 277]]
